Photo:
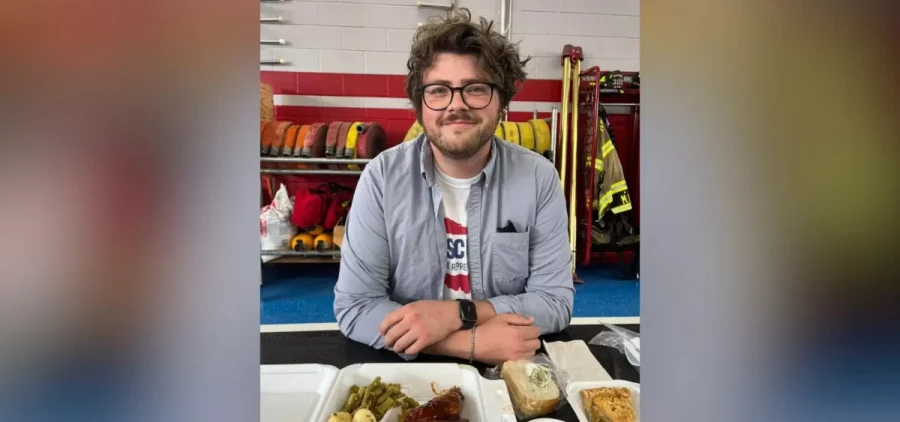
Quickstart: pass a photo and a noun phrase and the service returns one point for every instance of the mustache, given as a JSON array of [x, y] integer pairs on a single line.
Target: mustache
[[459, 118]]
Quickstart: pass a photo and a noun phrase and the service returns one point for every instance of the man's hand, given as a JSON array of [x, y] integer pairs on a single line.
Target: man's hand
[[420, 324], [506, 337]]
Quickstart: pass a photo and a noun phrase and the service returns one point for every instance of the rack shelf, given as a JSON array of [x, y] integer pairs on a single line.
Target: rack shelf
[[299, 160], [307, 257]]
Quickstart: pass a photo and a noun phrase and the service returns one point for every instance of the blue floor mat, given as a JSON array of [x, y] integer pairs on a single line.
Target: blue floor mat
[[294, 294]]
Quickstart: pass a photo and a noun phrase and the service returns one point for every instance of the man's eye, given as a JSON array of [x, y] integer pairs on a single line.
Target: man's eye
[[477, 90], [437, 90]]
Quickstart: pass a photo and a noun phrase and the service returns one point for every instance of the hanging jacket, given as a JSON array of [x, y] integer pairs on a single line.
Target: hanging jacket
[[610, 188]]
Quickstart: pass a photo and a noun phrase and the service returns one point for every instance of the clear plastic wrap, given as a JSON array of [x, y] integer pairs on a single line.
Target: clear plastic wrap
[[624, 340], [536, 386]]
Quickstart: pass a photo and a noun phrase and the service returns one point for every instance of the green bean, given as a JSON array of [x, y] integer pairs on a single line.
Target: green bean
[[354, 389], [411, 402], [352, 403], [363, 394], [383, 397], [387, 405]]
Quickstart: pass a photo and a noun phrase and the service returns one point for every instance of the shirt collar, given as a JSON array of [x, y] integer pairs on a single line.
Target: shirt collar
[[426, 157]]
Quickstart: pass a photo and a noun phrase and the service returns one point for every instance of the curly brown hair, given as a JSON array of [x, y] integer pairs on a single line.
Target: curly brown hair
[[495, 55]]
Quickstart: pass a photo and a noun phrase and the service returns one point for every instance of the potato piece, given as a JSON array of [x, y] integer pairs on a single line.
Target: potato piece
[[364, 415], [339, 417]]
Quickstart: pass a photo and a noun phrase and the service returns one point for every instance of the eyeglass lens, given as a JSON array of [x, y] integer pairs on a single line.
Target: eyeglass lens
[[475, 95]]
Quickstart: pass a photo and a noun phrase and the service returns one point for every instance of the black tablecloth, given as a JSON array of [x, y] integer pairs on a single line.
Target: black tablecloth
[[332, 348]]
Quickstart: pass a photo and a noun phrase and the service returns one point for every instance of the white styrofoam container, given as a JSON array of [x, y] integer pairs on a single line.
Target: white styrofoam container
[[292, 393], [312, 392], [573, 395]]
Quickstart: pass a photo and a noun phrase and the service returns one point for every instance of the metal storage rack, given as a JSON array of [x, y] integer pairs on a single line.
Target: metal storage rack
[[309, 257]]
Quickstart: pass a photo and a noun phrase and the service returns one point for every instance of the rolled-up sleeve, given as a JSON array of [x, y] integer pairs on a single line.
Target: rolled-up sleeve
[[361, 298], [549, 291]]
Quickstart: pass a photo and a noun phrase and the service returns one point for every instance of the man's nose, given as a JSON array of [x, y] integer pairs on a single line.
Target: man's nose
[[457, 103]]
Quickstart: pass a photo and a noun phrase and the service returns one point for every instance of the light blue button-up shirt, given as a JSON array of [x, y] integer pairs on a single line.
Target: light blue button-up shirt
[[394, 250]]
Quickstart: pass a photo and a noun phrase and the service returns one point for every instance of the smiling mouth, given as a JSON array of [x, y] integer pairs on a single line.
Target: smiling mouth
[[459, 123]]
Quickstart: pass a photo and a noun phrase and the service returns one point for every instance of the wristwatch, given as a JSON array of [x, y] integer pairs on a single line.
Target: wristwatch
[[467, 313]]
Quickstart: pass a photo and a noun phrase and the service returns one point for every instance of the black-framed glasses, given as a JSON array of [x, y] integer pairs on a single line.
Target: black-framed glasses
[[476, 95]]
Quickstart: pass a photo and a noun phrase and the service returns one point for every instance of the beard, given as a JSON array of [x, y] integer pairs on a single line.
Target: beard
[[459, 143]]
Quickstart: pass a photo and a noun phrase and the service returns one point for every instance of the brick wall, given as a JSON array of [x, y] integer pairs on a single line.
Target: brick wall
[[373, 36]]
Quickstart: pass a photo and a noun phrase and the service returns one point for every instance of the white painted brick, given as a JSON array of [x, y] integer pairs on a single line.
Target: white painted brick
[[399, 39], [374, 36], [274, 32], [293, 12], [266, 53], [392, 17], [299, 60], [540, 23], [613, 64], [593, 47], [423, 15], [475, 4], [611, 48], [489, 14], [334, 61], [544, 68], [304, 36], [614, 26], [542, 45], [375, 102], [328, 101], [364, 39], [603, 7], [537, 5], [342, 14], [386, 63], [385, 2]]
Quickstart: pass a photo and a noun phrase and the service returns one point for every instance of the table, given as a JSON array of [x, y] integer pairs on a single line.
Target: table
[[332, 348]]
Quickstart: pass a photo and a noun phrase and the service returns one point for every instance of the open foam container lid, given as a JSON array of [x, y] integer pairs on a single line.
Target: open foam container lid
[[312, 392]]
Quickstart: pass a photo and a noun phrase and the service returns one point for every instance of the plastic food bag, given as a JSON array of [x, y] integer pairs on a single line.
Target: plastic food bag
[[537, 386], [275, 228], [623, 340]]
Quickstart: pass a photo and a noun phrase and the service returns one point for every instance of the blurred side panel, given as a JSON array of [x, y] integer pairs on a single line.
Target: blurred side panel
[[771, 190], [129, 269]]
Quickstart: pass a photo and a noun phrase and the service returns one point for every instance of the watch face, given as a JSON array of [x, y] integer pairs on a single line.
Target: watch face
[[467, 310]]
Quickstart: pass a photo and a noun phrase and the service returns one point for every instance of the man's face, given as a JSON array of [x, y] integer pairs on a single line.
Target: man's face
[[458, 131]]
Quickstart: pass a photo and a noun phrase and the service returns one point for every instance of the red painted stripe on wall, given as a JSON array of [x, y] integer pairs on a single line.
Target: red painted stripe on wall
[[389, 86]]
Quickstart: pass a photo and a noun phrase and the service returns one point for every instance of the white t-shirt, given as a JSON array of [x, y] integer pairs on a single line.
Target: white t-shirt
[[455, 195]]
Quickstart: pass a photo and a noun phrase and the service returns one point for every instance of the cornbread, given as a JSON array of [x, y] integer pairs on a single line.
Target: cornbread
[[607, 404]]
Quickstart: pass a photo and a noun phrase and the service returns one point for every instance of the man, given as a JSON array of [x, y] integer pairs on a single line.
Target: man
[[457, 243]]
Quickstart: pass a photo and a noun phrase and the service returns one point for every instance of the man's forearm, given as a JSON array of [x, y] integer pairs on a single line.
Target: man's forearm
[[457, 345], [485, 311]]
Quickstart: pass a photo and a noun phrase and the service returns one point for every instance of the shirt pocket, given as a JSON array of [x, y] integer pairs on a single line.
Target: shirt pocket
[[510, 261]]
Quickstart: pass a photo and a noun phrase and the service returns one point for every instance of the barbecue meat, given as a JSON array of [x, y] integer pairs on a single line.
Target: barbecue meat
[[445, 407]]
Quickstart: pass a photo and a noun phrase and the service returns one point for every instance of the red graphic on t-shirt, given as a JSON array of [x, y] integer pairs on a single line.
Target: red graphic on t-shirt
[[453, 227], [457, 272]]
